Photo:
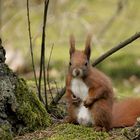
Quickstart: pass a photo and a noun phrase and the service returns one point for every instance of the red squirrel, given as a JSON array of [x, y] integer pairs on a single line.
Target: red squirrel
[[89, 92], [90, 95]]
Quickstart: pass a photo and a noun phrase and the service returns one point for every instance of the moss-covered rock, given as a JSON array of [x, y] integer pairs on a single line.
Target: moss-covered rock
[[76, 132]]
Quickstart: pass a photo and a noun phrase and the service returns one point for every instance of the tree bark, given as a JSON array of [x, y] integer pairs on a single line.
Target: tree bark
[[20, 108]]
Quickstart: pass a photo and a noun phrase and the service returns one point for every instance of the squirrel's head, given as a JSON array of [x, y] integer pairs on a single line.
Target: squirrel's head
[[79, 60]]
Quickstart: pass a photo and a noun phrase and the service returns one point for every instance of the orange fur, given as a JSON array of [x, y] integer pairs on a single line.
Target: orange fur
[[100, 95], [125, 112], [105, 112]]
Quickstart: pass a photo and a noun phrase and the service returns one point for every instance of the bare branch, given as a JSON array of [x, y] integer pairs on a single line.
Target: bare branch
[[118, 11], [58, 97], [31, 46], [42, 59], [116, 48]]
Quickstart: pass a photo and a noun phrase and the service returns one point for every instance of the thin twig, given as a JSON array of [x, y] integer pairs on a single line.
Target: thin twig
[[44, 70], [31, 46], [116, 48], [42, 59], [56, 87], [100, 59], [48, 66]]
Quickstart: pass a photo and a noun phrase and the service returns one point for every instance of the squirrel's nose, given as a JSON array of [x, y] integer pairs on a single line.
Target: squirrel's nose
[[76, 72]]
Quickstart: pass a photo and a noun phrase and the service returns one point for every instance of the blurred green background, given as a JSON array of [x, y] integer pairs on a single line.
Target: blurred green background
[[110, 22]]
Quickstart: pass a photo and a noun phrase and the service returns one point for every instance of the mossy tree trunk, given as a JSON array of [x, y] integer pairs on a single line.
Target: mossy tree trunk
[[20, 108]]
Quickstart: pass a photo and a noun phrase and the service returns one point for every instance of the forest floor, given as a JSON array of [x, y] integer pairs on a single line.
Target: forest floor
[[77, 132], [60, 131], [73, 132]]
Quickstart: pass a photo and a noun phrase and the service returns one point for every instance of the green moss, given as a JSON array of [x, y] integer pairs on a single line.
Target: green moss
[[21, 107], [5, 132], [76, 132], [132, 133], [30, 110]]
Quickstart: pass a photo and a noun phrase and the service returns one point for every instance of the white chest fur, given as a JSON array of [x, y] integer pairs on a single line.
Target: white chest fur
[[84, 116], [80, 89]]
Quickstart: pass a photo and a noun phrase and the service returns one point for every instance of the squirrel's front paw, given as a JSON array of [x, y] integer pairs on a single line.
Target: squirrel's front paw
[[76, 100], [88, 102]]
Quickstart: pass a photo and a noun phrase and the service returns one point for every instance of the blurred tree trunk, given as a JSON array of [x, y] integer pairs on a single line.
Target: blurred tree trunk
[[0, 16], [54, 7]]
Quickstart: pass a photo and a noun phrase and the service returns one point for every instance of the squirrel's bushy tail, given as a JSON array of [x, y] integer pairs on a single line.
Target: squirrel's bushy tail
[[125, 112]]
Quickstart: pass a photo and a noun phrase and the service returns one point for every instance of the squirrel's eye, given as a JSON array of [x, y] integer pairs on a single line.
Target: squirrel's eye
[[70, 63], [86, 63]]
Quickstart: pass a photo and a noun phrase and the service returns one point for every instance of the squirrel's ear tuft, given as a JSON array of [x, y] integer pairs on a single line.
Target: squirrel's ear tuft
[[72, 45], [87, 50]]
